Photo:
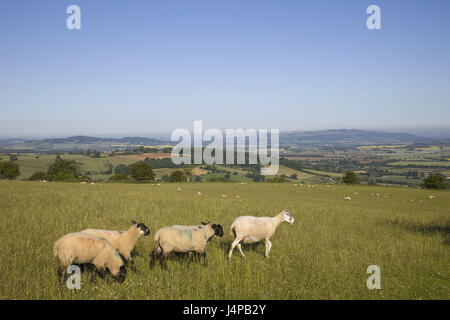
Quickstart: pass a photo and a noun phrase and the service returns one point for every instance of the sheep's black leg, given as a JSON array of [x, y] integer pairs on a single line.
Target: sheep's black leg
[[133, 266], [205, 261], [94, 274], [191, 257], [61, 272], [152, 260], [163, 260]]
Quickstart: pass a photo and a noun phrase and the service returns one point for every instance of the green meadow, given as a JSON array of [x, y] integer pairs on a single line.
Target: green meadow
[[324, 255]]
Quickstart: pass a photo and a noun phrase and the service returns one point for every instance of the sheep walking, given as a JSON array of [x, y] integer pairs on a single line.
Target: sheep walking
[[123, 241], [82, 248], [247, 229], [183, 239]]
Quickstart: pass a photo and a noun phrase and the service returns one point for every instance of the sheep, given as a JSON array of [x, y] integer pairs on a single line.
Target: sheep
[[180, 238], [249, 229], [347, 198], [82, 248], [123, 241]]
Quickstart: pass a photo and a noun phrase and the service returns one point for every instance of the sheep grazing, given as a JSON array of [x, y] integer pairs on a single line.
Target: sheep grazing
[[123, 241], [82, 248], [431, 196], [183, 239], [247, 229]]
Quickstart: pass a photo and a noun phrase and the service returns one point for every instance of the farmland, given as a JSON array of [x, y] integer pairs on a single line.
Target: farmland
[[323, 255]]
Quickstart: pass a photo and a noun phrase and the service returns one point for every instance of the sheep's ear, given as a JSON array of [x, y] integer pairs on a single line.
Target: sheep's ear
[[204, 223], [133, 222]]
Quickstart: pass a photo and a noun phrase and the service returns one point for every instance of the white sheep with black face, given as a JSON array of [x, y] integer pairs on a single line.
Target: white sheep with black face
[[248, 229], [83, 248], [123, 241], [185, 239]]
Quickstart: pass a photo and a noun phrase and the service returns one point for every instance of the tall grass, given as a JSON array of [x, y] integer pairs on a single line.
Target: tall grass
[[324, 255]]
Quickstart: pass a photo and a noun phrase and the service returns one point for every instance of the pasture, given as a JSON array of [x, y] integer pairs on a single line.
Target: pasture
[[324, 255]]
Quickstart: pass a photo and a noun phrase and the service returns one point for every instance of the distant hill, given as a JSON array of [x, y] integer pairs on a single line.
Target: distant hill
[[347, 137], [330, 138], [77, 143], [89, 140]]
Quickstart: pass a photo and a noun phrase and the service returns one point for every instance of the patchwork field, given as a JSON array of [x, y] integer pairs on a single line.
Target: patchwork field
[[324, 255]]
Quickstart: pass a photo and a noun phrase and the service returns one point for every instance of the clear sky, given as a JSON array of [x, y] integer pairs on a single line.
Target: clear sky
[[138, 67]]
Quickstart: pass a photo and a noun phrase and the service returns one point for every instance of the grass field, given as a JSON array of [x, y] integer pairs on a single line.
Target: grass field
[[324, 255], [29, 164], [288, 172], [421, 163]]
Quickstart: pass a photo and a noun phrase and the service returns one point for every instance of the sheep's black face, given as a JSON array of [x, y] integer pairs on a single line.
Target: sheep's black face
[[143, 229], [218, 230]]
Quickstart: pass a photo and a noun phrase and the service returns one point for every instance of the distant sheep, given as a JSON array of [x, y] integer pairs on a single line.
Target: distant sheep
[[347, 198], [180, 238], [247, 229], [123, 241], [82, 248]]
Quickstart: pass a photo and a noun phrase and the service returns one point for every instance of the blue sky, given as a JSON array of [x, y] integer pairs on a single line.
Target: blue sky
[[139, 67]]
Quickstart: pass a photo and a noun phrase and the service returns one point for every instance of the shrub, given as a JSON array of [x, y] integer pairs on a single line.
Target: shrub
[[434, 181], [277, 179], [39, 175], [141, 171], [119, 177], [9, 170], [85, 179], [351, 178], [63, 169], [177, 176]]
